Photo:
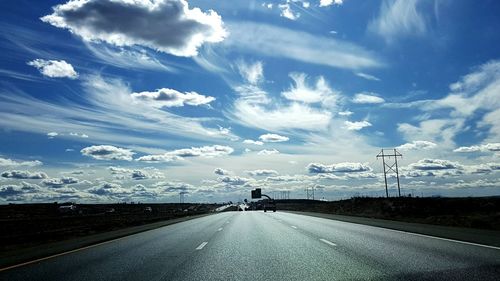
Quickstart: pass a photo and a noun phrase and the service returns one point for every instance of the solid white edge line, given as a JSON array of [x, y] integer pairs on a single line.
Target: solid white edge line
[[411, 233], [327, 242], [444, 239], [201, 246]]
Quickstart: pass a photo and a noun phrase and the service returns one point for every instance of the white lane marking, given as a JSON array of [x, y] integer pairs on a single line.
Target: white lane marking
[[444, 239], [410, 233], [327, 242], [219, 229], [293, 226], [201, 246]]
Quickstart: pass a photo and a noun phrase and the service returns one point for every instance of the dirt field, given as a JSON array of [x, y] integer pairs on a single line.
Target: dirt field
[[26, 225]]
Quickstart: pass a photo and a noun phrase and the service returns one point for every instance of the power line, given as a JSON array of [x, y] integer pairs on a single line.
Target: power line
[[393, 166]]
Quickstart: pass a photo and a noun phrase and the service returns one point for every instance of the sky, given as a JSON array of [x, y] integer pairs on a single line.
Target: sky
[[145, 101]]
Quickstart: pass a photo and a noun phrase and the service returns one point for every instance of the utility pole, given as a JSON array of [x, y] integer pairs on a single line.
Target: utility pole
[[392, 166]]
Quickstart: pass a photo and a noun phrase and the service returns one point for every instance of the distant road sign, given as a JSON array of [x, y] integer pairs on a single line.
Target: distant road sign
[[256, 193]]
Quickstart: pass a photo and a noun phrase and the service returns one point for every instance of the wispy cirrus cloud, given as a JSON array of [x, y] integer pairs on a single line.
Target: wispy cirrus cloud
[[107, 105], [276, 41], [367, 98], [398, 18]]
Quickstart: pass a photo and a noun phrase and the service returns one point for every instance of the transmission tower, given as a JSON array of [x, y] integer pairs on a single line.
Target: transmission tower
[[310, 193], [391, 166]]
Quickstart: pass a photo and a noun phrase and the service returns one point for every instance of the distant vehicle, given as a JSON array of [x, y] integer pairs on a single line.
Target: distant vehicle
[[148, 209], [270, 205]]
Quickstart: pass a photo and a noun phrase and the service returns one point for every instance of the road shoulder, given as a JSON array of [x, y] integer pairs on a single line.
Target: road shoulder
[[41, 251], [479, 236]]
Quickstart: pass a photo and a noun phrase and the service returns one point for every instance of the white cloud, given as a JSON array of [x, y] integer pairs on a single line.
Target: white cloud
[[367, 76], [110, 190], [398, 18], [78, 135], [118, 170], [52, 135], [107, 152], [440, 131], [253, 73], [494, 147], [59, 182], [14, 174], [105, 107], [221, 172], [262, 173], [139, 175], [128, 58], [279, 118], [367, 97], [6, 162], [159, 158], [268, 152], [273, 138], [287, 12], [357, 125], [54, 68], [417, 145], [345, 113], [165, 25], [475, 91], [171, 98], [346, 167], [298, 45], [321, 92], [233, 180], [204, 151], [253, 142], [435, 164], [326, 3]]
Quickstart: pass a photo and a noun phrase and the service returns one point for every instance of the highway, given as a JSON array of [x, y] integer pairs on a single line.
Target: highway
[[269, 246]]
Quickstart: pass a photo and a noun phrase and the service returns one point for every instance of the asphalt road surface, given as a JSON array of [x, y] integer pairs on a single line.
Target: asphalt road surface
[[269, 246]]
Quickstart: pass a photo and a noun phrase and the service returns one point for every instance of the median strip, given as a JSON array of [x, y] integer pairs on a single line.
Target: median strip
[[201, 246]]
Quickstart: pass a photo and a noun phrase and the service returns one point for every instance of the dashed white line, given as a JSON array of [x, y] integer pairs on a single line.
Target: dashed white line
[[327, 242], [201, 246], [220, 229], [293, 226]]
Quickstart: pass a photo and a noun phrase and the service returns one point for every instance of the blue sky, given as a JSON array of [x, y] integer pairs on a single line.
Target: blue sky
[[107, 101]]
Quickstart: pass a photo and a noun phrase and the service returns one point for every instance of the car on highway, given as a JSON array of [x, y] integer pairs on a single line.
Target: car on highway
[[269, 205]]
